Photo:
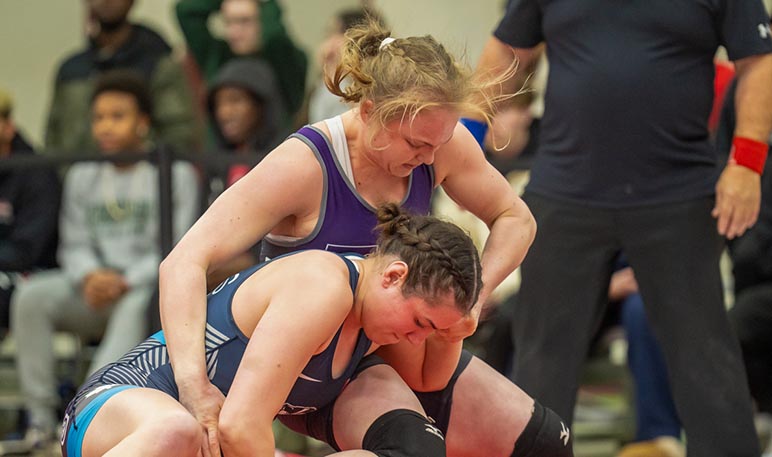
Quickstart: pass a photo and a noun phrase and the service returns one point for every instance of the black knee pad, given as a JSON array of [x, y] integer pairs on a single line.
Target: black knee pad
[[404, 433], [545, 435]]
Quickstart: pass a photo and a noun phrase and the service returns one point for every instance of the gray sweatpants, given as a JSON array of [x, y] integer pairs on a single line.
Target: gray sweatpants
[[48, 302]]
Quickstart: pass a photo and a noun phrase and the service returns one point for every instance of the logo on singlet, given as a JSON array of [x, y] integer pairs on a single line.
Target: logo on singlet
[[434, 431], [565, 434], [99, 390], [63, 433], [764, 31], [292, 410], [222, 285], [308, 378]]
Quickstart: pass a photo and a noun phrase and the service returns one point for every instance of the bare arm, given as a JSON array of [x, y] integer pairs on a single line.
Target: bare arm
[[426, 367], [476, 186], [235, 221], [738, 191], [275, 357]]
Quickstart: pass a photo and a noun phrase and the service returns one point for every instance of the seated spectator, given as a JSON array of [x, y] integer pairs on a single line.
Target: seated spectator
[[246, 113], [108, 251], [29, 205], [253, 28], [116, 43]]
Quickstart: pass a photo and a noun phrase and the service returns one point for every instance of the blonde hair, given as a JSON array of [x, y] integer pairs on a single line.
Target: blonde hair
[[404, 76]]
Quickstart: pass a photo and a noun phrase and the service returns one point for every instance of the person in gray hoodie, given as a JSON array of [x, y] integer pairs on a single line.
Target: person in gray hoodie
[[248, 118], [108, 250]]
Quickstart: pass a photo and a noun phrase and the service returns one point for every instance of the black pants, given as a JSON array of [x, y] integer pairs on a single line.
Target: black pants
[[751, 318], [674, 250]]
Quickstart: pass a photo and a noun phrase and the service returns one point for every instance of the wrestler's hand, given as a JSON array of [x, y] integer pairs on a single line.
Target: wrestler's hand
[[205, 403], [463, 328], [738, 200]]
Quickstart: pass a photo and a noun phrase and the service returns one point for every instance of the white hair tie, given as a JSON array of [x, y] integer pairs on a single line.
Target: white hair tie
[[385, 42]]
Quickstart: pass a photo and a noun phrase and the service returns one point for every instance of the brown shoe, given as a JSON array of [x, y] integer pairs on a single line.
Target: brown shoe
[[664, 446]]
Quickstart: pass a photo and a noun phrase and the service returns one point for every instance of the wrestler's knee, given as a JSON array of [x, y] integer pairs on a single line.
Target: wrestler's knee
[[404, 433], [545, 435]]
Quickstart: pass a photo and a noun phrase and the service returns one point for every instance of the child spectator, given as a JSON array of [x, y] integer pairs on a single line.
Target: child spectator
[[108, 252], [246, 112]]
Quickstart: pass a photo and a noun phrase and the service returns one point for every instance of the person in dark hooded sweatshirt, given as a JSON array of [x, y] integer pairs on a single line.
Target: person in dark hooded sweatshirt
[[116, 43], [247, 115], [29, 209]]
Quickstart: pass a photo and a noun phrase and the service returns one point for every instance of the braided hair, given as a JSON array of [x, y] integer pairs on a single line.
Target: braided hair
[[441, 258]]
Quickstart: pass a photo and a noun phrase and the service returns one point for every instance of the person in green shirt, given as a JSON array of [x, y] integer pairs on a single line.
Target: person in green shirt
[[115, 42], [252, 28]]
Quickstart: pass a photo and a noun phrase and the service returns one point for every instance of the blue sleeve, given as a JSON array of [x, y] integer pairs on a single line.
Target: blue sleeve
[[521, 26], [744, 28]]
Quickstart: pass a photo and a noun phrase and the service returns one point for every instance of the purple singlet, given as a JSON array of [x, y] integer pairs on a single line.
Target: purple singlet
[[346, 221]]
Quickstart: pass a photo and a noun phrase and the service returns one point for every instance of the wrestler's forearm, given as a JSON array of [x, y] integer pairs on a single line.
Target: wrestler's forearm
[[510, 238], [183, 317]]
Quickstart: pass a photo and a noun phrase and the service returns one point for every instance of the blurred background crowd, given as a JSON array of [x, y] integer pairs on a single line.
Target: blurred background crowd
[[219, 83]]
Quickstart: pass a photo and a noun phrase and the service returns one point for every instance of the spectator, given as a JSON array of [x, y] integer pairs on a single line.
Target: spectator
[[253, 28], [247, 114], [116, 43], [29, 205], [625, 164], [108, 252]]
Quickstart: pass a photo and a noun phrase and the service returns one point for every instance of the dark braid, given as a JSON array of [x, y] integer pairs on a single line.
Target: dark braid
[[441, 258]]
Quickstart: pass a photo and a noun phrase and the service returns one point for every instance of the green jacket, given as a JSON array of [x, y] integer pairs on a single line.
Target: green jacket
[[287, 60], [174, 120]]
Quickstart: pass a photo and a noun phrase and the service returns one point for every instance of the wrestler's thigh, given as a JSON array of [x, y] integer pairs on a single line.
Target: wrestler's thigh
[[376, 391], [129, 411], [489, 413]]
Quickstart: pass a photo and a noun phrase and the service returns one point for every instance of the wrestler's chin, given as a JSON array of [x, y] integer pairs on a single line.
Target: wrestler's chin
[[385, 340]]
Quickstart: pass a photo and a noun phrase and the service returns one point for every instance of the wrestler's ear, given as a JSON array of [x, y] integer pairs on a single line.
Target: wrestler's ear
[[394, 274], [365, 109]]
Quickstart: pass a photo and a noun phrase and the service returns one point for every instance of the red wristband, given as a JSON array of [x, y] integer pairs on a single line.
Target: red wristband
[[749, 153]]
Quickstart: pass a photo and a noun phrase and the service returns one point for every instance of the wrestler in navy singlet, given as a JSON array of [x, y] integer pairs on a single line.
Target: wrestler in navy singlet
[[346, 221], [148, 365]]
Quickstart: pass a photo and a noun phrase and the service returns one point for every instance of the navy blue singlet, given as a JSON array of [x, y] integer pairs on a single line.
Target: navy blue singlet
[[147, 365]]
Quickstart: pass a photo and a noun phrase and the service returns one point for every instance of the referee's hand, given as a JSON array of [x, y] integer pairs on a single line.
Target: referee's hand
[[738, 200]]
